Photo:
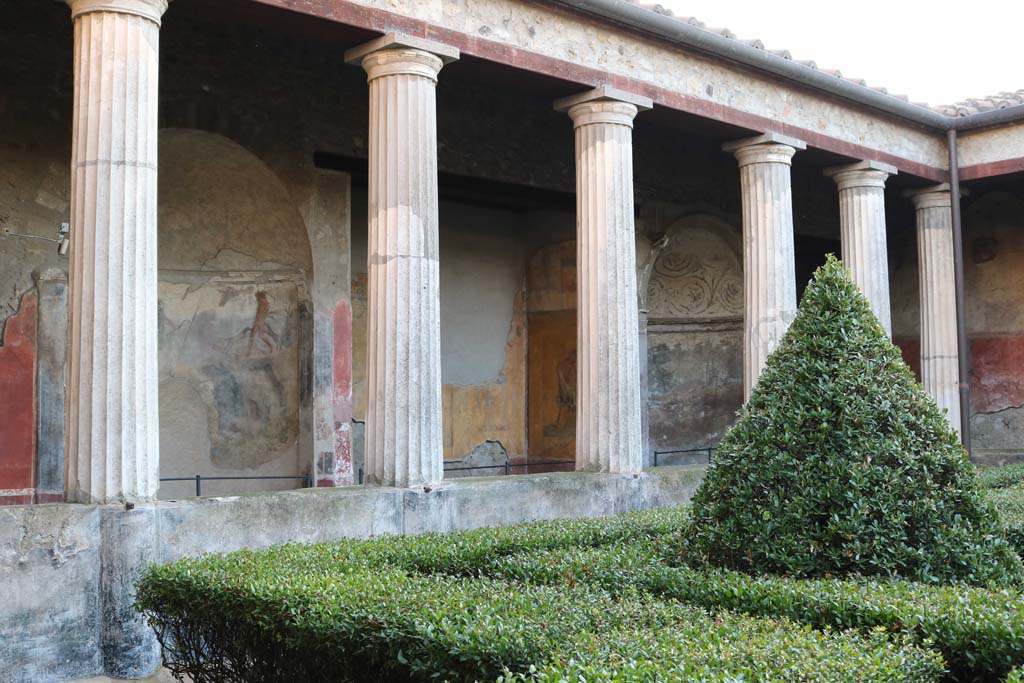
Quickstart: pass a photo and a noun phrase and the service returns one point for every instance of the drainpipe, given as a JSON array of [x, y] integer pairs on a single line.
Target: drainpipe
[[962, 342]]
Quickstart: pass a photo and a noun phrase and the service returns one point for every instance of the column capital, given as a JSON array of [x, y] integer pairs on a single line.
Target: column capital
[[148, 9], [398, 53], [603, 104], [764, 149], [860, 174], [933, 197]]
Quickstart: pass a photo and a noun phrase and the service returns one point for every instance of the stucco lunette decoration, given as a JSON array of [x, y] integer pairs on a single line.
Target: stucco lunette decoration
[[404, 445], [697, 275], [113, 447], [862, 230], [939, 370], [608, 427], [769, 268]]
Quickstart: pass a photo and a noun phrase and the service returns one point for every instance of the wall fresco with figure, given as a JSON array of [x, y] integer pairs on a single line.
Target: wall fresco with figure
[[231, 344], [235, 332]]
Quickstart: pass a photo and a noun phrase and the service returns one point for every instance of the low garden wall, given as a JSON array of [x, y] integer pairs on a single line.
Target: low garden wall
[[68, 571]]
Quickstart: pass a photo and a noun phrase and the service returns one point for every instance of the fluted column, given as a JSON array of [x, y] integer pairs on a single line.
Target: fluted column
[[608, 426], [862, 229], [939, 369], [403, 365], [769, 268], [112, 435]]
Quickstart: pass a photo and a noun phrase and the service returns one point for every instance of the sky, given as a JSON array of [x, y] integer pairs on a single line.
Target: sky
[[936, 51]]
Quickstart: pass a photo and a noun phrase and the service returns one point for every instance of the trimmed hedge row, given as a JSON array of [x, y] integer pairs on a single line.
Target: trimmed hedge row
[[294, 613], [979, 632], [1001, 477], [461, 553], [1009, 501], [767, 653]]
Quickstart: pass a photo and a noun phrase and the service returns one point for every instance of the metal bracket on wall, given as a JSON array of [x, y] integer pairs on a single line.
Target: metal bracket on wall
[[61, 239]]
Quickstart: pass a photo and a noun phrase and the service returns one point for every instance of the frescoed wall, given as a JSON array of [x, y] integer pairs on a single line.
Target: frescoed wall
[[994, 279], [483, 333], [229, 374], [694, 300], [551, 305], [234, 325], [17, 403]]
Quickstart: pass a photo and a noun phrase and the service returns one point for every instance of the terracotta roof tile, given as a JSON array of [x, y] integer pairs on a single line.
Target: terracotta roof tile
[[981, 104], [965, 108]]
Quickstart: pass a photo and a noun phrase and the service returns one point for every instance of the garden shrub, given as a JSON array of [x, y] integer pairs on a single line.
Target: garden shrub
[[1010, 504], [766, 653], [1002, 477], [296, 614], [841, 464], [979, 632]]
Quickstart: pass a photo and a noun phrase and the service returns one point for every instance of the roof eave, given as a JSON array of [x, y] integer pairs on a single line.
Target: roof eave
[[668, 28]]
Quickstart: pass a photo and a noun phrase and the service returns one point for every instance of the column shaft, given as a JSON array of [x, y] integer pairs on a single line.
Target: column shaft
[[403, 421], [608, 425], [862, 228], [112, 434], [939, 370], [769, 268]]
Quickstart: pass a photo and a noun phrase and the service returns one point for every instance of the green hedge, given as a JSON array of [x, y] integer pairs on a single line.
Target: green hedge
[[761, 652], [1001, 477], [462, 553], [840, 464], [979, 632], [296, 613], [1009, 502]]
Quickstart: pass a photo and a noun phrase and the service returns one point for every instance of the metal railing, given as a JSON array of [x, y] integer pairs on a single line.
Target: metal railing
[[505, 467], [709, 450], [199, 479]]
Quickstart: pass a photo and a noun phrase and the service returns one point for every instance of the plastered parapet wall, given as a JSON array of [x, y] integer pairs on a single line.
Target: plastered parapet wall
[[67, 570]]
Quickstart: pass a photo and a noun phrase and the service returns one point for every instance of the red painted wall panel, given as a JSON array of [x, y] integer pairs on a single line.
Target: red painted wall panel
[[997, 371], [17, 404]]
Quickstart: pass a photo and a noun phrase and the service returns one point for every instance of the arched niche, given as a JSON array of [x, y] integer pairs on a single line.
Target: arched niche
[[694, 298], [234, 337]]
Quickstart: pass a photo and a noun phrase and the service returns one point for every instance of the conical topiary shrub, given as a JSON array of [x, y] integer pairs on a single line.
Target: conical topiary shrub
[[841, 464]]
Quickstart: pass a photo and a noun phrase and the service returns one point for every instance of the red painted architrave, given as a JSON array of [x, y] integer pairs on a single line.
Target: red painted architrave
[[383, 21]]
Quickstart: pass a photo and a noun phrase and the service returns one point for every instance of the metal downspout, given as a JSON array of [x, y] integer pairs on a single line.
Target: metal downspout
[[962, 342]]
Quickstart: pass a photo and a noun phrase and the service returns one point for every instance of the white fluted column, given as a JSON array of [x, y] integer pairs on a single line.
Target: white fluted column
[[939, 350], [403, 365], [769, 267], [112, 435], [862, 229], [608, 427]]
